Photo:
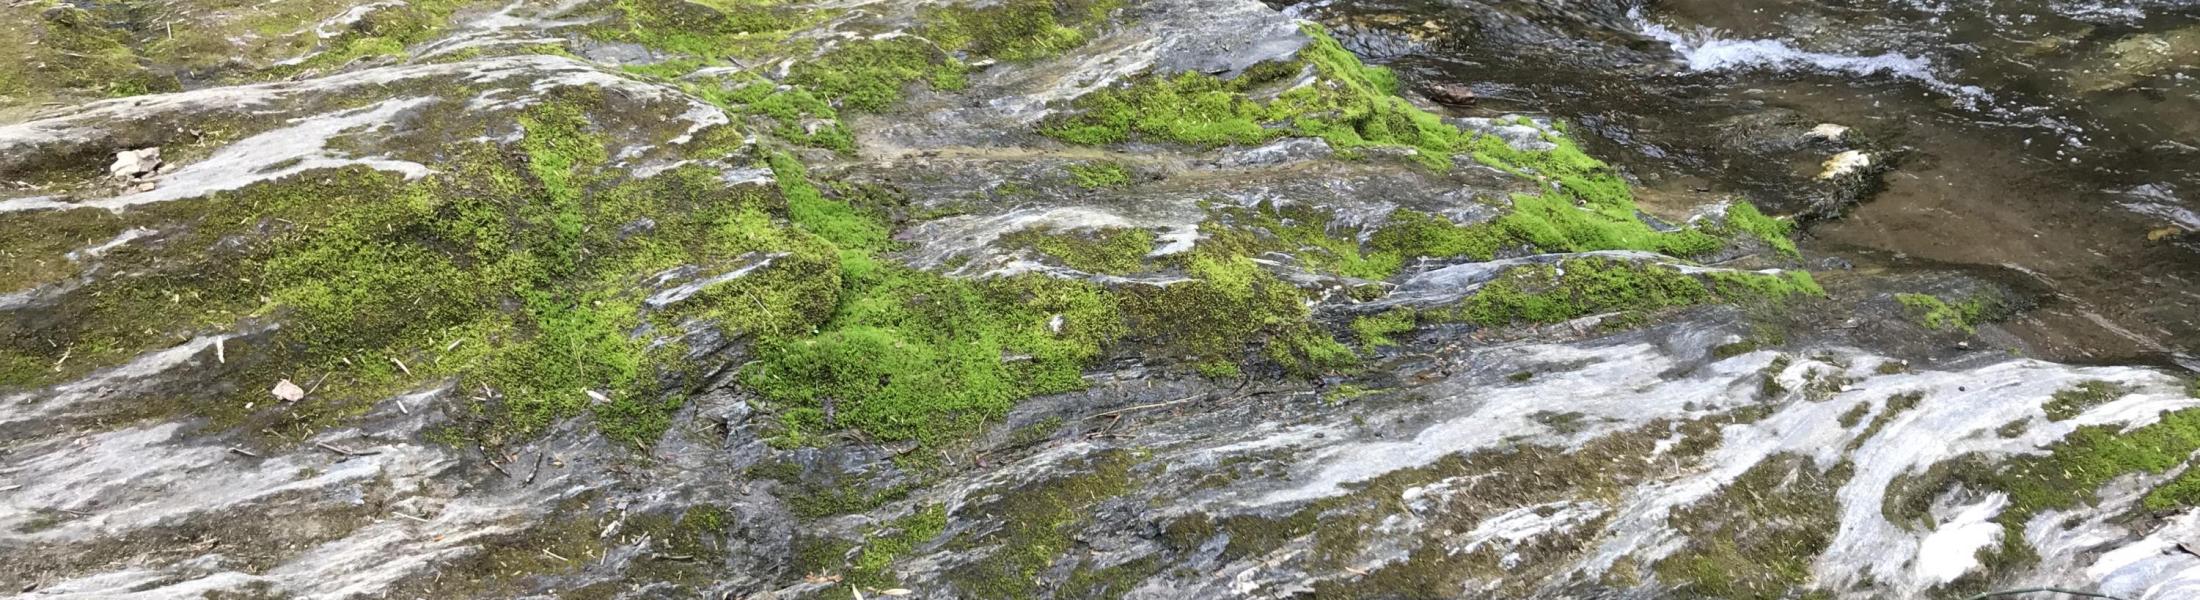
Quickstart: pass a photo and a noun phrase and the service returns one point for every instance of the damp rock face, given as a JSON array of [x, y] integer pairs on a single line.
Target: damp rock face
[[1017, 299]]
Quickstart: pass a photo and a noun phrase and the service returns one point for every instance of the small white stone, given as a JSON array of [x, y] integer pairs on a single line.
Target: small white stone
[[134, 163]]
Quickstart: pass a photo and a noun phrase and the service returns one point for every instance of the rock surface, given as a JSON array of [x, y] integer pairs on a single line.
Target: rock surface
[[1018, 299]]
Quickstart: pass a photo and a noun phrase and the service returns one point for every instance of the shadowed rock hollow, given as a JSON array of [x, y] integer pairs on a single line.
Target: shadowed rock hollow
[[1012, 299]]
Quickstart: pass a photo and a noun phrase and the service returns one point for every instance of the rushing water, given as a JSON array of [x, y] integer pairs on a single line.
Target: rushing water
[[2055, 143]]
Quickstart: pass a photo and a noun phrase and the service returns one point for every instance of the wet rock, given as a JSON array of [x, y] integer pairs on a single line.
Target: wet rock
[[1453, 93]]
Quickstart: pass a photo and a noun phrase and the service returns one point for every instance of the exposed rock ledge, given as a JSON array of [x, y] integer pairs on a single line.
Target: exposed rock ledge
[[1078, 299]]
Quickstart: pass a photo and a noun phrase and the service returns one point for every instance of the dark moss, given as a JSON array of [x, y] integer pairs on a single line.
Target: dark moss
[[1892, 408], [1109, 583], [1758, 537], [1036, 524], [2075, 400], [1855, 414]]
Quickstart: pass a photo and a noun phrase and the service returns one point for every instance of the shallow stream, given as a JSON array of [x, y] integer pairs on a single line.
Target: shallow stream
[[2056, 142]]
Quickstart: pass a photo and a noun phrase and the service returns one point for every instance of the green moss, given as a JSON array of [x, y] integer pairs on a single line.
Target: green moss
[[1036, 524], [881, 547], [63, 49], [870, 75], [1305, 232], [1375, 331], [1353, 106], [710, 31], [1580, 287], [1034, 433], [1545, 294], [1015, 29], [2075, 400], [1744, 216], [794, 114], [1554, 222], [911, 355], [385, 32], [506, 274], [1108, 251], [916, 356], [2068, 475], [1232, 307], [1410, 234], [1759, 536], [1939, 315], [1094, 176]]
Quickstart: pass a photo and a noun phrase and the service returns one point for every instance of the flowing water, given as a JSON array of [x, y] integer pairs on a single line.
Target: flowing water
[[2055, 142]]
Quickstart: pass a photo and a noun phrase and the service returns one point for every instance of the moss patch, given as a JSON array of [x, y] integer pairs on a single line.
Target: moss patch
[[507, 272], [1108, 251], [2075, 400], [1939, 315], [1016, 29], [1094, 176], [1231, 308], [1547, 293], [1037, 524], [1757, 537]]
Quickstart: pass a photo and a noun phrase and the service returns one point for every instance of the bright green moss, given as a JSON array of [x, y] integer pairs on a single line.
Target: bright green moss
[[1782, 286], [1744, 216], [1588, 286], [2075, 400], [1094, 176], [1190, 108], [1375, 331], [1547, 294], [1350, 105], [794, 114], [1410, 234], [1354, 106], [870, 75], [1553, 222], [911, 355], [1109, 251], [1015, 29], [1939, 315]]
